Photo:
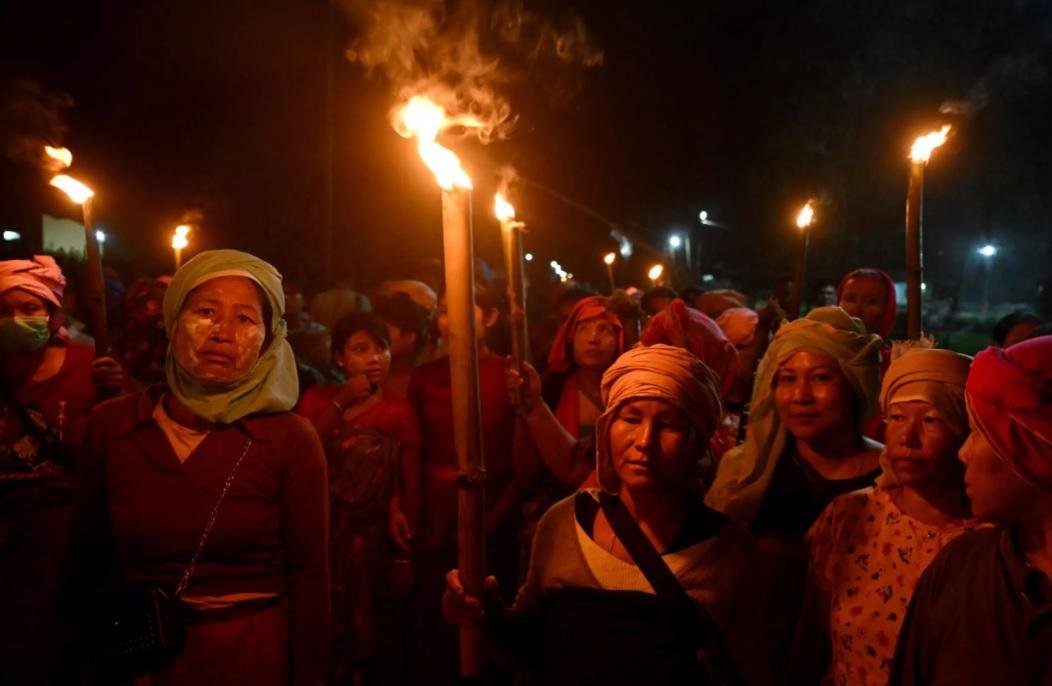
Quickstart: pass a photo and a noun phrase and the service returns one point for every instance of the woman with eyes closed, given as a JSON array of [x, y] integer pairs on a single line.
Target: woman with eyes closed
[[218, 444], [869, 548], [814, 388]]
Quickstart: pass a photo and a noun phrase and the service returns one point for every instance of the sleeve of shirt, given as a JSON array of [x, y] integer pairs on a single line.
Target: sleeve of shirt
[[305, 519]]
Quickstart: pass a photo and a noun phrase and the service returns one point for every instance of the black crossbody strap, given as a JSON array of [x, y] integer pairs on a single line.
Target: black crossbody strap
[[713, 648]]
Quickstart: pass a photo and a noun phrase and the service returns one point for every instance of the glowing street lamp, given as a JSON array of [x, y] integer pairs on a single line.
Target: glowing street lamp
[[988, 252], [675, 241]]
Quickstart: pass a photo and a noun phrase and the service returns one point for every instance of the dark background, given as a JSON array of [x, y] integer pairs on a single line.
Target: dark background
[[246, 112]]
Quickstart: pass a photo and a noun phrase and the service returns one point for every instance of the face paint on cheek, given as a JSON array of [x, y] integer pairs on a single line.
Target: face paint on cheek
[[249, 342], [193, 331]]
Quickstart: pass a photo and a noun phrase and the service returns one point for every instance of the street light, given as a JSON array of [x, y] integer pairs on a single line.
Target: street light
[[987, 251], [528, 257], [12, 236], [703, 216], [674, 241]]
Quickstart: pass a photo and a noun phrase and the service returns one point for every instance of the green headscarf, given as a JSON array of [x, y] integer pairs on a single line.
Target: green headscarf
[[272, 385], [746, 470]]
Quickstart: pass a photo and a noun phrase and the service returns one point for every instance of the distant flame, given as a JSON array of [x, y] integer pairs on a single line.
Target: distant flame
[[655, 272], [62, 156], [806, 216], [503, 208], [423, 119], [77, 192], [179, 240], [923, 146], [609, 257]]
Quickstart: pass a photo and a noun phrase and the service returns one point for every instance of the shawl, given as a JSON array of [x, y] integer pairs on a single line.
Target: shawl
[[560, 357], [745, 471], [272, 384]]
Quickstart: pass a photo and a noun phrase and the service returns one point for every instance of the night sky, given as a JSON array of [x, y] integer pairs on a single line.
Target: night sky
[[742, 108]]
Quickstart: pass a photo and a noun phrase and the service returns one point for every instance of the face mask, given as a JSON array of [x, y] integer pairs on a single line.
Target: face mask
[[23, 334]]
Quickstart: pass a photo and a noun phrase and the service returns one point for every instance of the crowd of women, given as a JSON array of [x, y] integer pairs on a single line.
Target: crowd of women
[[248, 490]]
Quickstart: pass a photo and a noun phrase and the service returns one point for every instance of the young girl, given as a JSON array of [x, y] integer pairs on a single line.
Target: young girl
[[372, 443]]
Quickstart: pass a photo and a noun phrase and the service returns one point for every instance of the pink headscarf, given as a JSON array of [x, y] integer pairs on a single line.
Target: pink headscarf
[[560, 357], [1009, 393], [40, 276], [739, 325], [688, 328]]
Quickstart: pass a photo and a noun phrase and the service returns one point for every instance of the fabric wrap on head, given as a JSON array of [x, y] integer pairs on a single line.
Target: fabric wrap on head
[[560, 357], [928, 375], [739, 325], [657, 372], [695, 331], [272, 384], [40, 276], [1009, 393], [746, 470]]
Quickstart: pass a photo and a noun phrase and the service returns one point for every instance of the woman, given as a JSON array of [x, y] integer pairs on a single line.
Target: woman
[[372, 442], [980, 612], [434, 550], [869, 548], [48, 386], [588, 611], [586, 344], [159, 462], [804, 446]]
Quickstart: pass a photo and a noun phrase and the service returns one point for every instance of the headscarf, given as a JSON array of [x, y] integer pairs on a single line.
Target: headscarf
[[739, 325], [657, 372], [40, 276], [888, 322], [932, 376], [560, 357], [272, 384], [1009, 393], [688, 328], [714, 303], [746, 471]]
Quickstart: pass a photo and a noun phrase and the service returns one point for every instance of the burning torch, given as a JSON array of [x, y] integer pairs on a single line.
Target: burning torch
[[919, 155], [803, 223], [423, 119]]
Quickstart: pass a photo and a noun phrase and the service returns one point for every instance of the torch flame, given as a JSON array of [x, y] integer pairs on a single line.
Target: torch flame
[[504, 209], [62, 156], [923, 146], [423, 119], [655, 272], [179, 240], [806, 216], [77, 192], [609, 257]]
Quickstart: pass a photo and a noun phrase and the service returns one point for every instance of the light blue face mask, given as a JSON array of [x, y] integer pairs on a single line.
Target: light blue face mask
[[23, 334]]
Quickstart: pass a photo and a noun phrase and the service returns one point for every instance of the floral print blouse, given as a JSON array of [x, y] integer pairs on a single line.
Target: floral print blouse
[[867, 557]]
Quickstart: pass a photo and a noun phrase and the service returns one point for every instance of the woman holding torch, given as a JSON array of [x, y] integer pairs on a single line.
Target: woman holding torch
[[48, 385]]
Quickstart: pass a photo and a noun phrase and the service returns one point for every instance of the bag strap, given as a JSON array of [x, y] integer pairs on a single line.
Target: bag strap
[[713, 649], [190, 568]]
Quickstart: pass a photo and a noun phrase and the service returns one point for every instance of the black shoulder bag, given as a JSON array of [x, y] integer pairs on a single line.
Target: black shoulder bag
[[712, 650], [145, 627]]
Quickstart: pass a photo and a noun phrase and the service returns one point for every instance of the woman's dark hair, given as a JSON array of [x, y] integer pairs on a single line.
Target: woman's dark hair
[[398, 309], [368, 322], [658, 292], [1008, 322]]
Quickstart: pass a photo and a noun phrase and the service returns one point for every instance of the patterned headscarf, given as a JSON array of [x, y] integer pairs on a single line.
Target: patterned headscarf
[[272, 385], [746, 471], [657, 372], [1009, 394]]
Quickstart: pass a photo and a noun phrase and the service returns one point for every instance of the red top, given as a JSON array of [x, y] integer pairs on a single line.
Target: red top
[[62, 403], [390, 416], [272, 531]]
